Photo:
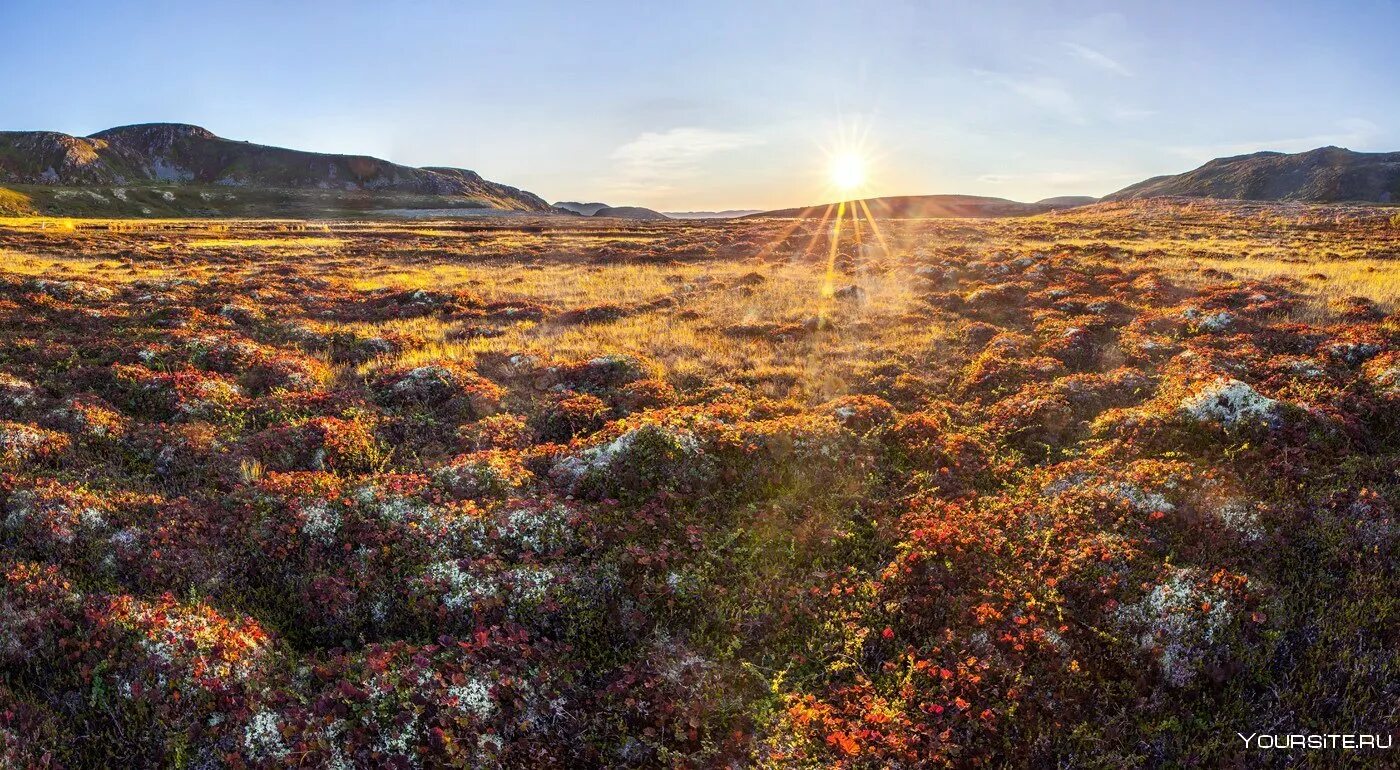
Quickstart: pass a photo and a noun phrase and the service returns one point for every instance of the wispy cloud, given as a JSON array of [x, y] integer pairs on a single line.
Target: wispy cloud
[[655, 161], [1044, 177], [1132, 113], [1351, 132], [1076, 181], [1044, 93], [1096, 58]]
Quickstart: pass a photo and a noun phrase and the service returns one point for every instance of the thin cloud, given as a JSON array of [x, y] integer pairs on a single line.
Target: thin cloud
[[1132, 113], [655, 161], [1078, 180], [1046, 177], [1096, 58], [1044, 93], [1351, 132]]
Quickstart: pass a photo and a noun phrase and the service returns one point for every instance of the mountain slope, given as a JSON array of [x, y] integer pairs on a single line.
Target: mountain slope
[[927, 206], [1324, 175], [168, 154]]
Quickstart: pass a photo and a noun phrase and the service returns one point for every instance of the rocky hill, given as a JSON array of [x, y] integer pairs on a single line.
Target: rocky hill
[[1324, 175], [119, 164]]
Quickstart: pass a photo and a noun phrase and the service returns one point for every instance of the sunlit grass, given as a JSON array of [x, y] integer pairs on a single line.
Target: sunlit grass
[[688, 337], [239, 243], [681, 314], [1322, 281]]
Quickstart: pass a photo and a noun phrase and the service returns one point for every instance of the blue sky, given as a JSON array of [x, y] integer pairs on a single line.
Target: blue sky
[[726, 104]]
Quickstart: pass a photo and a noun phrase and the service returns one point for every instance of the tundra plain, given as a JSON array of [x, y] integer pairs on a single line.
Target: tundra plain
[[1095, 488]]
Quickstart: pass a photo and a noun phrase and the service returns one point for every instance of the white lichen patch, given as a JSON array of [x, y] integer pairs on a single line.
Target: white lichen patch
[[1179, 621], [1353, 353], [598, 459], [20, 442], [476, 478], [71, 290], [1130, 495], [1241, 518], [16, 393], [474, 697], [1138, 499], [320, 523], [1306, 368], [1216, 322], [463, 588], [617, 364], [1230, 403], [262, 738], [424, 383], [537, 529]]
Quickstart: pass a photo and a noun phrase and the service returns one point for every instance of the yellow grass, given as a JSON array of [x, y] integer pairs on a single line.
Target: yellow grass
[[682, 314], [239, 243]]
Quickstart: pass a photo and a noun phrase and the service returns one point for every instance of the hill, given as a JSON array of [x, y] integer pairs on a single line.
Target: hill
[[726, 214], [1068, 201], [604, 210], [586, 209], [194, 171], [629, 212], [1324, 175], [928, 207]]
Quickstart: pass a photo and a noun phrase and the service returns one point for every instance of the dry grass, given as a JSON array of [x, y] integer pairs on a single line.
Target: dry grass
[[690, 332], [1322, 281]]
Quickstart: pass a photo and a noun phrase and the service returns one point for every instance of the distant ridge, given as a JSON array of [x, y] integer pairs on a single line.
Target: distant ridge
[[181, 155], [929, 206], [1068, 201], [1324, 175], [629, 212], [604, 210], [728, 214], [586, 209]]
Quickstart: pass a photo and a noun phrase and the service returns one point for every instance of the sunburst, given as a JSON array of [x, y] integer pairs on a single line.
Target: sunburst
[[847, 171], [850, 160]]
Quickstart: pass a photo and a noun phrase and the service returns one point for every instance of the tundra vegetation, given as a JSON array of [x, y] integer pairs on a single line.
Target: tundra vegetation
[[1097, 488]]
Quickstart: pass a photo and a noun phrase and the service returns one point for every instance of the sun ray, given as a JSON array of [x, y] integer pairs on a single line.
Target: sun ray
[[797, 222], [874, 228], [848, 181], [821, 227], [855, 226], [829, 282]]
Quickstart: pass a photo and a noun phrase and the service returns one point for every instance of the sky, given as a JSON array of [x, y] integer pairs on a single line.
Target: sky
[[726, 104]]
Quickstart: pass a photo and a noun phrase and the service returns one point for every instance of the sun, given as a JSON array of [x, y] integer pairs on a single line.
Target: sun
[[847, 171]]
